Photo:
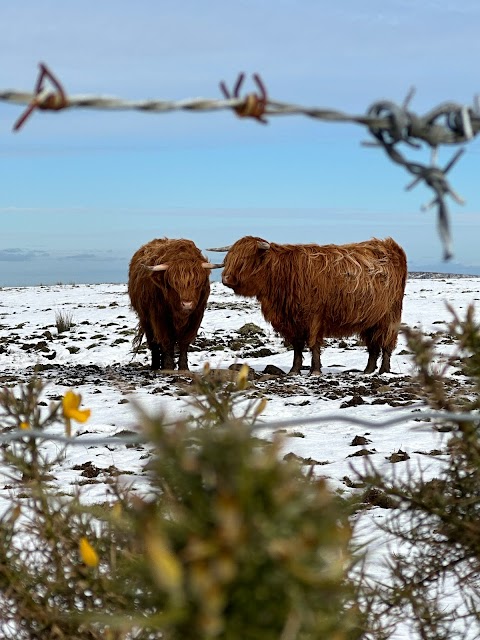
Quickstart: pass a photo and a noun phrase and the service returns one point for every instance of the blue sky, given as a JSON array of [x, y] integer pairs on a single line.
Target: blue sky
[[82, 190]]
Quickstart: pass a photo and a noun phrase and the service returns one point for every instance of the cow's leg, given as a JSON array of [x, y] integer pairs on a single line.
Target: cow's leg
[[154, 347], [382, 337], [156, 356], [168, 359], [316, 366], [385, 366], [183, 356], [373, 350], [298, 346], [373, 353]]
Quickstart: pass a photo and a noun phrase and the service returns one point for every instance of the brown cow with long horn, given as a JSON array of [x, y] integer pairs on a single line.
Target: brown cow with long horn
[[309, 292], [168, 285]]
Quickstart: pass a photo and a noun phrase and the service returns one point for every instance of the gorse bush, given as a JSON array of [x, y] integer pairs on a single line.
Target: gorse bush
[[215, 404], [228, 540], [434, 577], [253, 548], [48, 566]]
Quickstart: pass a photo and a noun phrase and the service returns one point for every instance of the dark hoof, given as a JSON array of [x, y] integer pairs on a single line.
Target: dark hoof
[[369, 370]]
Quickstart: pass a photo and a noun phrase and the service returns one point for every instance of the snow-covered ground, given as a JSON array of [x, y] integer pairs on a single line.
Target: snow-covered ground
[[95, 359]]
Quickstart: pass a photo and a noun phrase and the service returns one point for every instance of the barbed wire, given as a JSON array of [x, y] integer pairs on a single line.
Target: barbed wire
[[139, 439], [449, 123]]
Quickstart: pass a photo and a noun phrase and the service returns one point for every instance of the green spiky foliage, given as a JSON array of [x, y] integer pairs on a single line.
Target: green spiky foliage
[[432, 578], [225, 540]]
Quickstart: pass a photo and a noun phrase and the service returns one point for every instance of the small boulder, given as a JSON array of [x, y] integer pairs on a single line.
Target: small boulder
[[272, 370], [250, 329]]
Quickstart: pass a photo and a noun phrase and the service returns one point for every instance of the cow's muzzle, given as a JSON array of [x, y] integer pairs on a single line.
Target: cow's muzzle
[[186, 305], [228, 281]]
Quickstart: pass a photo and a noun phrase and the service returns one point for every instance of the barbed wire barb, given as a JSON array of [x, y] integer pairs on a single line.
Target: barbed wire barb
[[43, 98], [254, 106]]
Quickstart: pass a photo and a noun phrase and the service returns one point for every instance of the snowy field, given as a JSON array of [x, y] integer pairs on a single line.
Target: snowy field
[[95, 359]]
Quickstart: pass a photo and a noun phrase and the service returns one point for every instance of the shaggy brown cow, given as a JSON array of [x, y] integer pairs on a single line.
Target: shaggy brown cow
[[310, 292], [168, 285]]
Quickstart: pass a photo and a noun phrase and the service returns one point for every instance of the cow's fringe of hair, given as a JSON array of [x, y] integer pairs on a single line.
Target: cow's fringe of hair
[[166, 250]]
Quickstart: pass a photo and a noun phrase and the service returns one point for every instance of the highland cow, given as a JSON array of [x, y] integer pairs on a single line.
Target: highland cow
[[168, 285], [310, 292]]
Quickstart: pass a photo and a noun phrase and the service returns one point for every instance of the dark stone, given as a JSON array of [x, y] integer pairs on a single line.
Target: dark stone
[[359, 441], [272, 370], [354, 402]]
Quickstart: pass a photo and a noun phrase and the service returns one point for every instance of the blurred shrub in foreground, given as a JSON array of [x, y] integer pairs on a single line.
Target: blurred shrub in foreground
[[228, 542], [432, 580]]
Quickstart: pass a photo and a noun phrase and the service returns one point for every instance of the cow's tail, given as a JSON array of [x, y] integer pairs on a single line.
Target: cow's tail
[[137, 340]]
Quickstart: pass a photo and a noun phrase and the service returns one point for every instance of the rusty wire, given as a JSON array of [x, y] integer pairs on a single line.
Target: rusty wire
[[390, 124], [420, 416]]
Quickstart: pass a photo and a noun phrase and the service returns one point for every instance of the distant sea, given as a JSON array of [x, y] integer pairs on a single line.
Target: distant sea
[[90, 270]]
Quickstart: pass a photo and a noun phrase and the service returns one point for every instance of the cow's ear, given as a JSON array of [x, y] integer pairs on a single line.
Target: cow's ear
[[262, 244]]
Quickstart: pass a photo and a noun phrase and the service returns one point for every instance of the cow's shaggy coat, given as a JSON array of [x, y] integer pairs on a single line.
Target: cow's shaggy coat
[[310, 292], [170, 302]]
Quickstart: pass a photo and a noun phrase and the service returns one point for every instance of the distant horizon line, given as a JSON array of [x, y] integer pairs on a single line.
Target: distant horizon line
[[417, 274]]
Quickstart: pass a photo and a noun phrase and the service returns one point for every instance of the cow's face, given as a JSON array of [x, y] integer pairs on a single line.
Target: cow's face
[[244, 265], [185, 283]]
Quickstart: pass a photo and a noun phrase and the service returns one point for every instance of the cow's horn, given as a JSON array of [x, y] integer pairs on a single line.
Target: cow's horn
[[262, 244], [211, 265], [157, 267], [220, 249]]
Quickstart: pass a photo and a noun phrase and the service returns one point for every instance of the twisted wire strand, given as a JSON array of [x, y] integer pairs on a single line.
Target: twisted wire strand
[[425, 127], [447, 124], [423, 416]]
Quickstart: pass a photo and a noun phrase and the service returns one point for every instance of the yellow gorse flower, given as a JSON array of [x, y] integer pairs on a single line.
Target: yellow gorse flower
[[24, 425], [260, 408], [87, 553], [164, 564], [71, 403], [242, 377]]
